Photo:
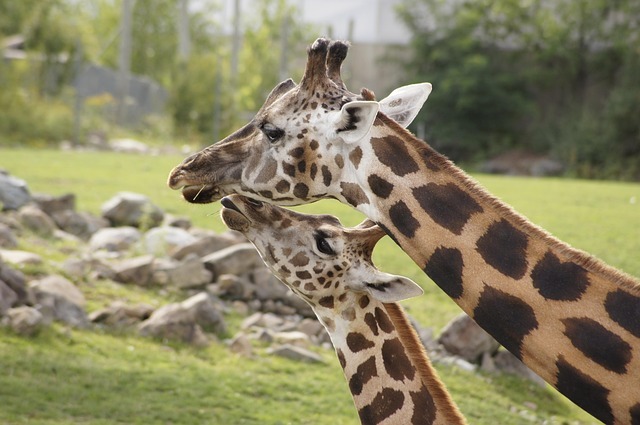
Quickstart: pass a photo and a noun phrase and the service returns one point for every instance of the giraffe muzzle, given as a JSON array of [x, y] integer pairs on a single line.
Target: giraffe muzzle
[[233, 216]]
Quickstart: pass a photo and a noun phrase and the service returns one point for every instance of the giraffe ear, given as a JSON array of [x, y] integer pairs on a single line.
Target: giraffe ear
[[390, 288], [404, 103], [355, 120]]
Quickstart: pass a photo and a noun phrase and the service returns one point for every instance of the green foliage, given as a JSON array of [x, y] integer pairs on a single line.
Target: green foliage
[[558, 77], [27, 117]]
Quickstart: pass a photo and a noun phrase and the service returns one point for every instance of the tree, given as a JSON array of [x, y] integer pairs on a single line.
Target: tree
[[556, 76]]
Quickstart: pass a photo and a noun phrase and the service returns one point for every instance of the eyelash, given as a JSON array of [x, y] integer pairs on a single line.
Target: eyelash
[[273, 133], [323, 246]]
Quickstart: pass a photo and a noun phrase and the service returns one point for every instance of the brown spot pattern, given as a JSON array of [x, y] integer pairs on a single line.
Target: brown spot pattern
[[358, 342], [326, 301], [392, 152], [379, 186], [364, 373], [560, 281], [353, 194], [395, 360], [383, 320], [403, 219], [504, 247], [385, 403], [447, 205], [355, 156]]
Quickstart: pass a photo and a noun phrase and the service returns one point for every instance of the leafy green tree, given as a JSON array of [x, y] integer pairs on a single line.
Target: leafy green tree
[[556, 76]]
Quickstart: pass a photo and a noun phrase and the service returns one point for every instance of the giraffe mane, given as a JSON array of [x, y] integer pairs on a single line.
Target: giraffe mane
[[581, 258], [415, 350]]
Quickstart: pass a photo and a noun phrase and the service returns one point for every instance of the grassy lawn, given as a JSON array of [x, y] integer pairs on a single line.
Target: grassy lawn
[[85, 377]]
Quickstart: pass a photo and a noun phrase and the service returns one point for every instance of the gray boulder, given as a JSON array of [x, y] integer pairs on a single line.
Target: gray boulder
[[295, 353], [136, 271], [20, 258], [15, 280], [54, 204], [506, 362], [114, 238], [132, 209], [187, 274], [120, 315], [7, 237], [59, 299], [165, 240], [236, 259], [34, 219], [80, 224], [207, 244], [14, 192], [24, 320], [8, 298], [186, 321], [463, 337]]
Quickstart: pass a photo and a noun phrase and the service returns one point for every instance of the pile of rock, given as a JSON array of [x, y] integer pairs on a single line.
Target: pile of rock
[[133, 242]]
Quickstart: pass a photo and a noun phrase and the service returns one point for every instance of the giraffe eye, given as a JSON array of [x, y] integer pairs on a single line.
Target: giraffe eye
[[272, 132], [323, 245]]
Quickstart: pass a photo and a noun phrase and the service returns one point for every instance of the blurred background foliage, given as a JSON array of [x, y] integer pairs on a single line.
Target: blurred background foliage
[[556, 77], [560, 77]]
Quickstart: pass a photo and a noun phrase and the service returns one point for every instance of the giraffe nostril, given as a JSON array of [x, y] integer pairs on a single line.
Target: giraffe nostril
[[255, 203]]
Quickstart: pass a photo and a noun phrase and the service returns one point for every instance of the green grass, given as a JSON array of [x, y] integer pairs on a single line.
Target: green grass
[[84, 377]]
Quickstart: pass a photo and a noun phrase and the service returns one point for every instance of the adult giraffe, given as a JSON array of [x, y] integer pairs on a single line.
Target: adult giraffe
[[572, 319]]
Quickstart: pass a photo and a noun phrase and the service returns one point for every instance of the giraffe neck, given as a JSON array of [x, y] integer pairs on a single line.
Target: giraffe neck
[[389, 375], [569, 317]]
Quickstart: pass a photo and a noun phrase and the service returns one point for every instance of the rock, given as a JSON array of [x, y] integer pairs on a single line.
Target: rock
[[20, 258], [234, 287], [51, 205], [26, 321], [236, 259], [120, 315], [87, 268], [188, 274], [311, 327], [205, 245], [185, 321], [8, 298], [458, 362], [7, 237], [114, 239], [136, 271], [295, 353], [34, 219], [14, 192], [180, 222], [132, 209], [519, 162], [264, 320], [267, 286], [15, 280], [241, 344], [297, 338], [464, 338], [80, 224], [59, 299], [165, 240], [128, 146], [506, 362]]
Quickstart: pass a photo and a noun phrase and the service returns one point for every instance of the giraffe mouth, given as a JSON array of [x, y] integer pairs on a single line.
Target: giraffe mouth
[[201, 194], [233, 217]]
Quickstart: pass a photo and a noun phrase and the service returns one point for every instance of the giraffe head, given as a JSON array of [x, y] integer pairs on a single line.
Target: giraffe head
[[323, 262], [295, 149]]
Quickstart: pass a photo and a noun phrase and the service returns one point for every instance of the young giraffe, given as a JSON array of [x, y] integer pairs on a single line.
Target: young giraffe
[[329, 266], [572, 319]]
